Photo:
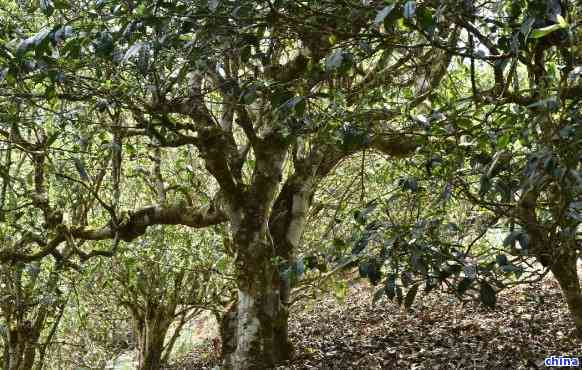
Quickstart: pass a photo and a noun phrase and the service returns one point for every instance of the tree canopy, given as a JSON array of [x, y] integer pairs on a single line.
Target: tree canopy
[[234, 156]]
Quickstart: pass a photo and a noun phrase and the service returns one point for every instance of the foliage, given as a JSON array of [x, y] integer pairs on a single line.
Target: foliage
[[432, 144]]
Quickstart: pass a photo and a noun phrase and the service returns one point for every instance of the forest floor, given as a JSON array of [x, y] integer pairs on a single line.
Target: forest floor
[[529, 324]]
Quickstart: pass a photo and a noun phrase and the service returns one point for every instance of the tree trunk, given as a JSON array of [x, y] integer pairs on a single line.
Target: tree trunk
[[283, 348], [287, 225], [20, 350], [151, 335], [228, 324], [249, 209], [564, 269], [276, 307], [256, 310]]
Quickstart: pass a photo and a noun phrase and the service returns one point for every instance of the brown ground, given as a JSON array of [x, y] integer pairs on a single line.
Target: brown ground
[[529, 324]]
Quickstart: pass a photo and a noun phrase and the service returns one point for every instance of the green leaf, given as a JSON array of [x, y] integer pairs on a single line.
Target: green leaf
[[249, 95], [296, 103], [52, 139], [464, 285], [378, 294], [501, 260], [72, 48], [131, 51], [561, 21], [382, 14], [425, 18], [245, 53], [300, 107], [50, 92], [280, 97], [310, 262], [47, 7], [61, 4], [340, 291], [503, 141], [339, 243], [487, 295], [541, 32], [409, 9], [334, 61]]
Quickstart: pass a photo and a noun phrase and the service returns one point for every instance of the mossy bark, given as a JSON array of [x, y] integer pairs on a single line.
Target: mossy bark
[[20, 350], [564, 270], [151, 333]]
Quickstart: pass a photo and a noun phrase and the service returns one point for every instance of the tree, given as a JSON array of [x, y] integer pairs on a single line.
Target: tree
[[31, 302], [157, 291], [251, 113], [521, 132], [507, 142], [268, 97]]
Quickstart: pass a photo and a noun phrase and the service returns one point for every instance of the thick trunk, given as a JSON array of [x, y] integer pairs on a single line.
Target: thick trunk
[[21, 357], [228, 337], [562, 259], [283, 348], [255, 330], [256, 312], [287, 226], [21, 349], [258, 301], [564, 269], [151, 336]]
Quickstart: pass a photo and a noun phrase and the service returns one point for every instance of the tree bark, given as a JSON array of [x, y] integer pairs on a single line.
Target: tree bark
[[20, 350], [283, 348], [564, 270], [251, 322], [273, 310], [258, 296], [287, 225], [561, 258], [266, 233], [151, 333], [228, 325]]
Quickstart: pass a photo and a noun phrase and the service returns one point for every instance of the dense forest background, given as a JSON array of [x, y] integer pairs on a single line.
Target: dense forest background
[[164, 163]]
